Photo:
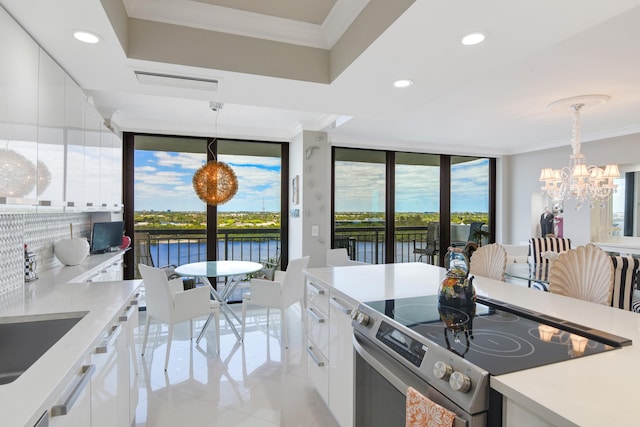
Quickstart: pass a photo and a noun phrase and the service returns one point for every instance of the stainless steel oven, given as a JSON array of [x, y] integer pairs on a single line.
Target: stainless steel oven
[[381, 386], [449, 353]]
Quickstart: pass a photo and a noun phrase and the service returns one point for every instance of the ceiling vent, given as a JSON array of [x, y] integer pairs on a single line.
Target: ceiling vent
[[184, 82]]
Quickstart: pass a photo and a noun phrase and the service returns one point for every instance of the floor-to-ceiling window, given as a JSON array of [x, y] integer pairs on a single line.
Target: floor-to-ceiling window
[[359, 203], [434, 200], [417, 206], [170, 221], [470, 200]]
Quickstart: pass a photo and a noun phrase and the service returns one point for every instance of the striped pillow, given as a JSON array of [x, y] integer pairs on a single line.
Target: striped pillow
[[625, 274]]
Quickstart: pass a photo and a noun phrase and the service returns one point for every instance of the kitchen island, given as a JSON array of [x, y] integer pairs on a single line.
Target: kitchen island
[[596, 390], [56, 292]]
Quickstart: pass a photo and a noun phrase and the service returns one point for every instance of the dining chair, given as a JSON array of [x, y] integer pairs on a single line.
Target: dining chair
[[625, 276], [539, 245], [286, 289], [585, 272], [489, 261], [340, 257], [168, 302]]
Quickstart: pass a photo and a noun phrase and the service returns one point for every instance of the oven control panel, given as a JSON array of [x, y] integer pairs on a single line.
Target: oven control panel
[[402, 344]]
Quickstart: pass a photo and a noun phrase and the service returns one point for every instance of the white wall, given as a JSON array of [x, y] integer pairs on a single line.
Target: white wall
[[523, 174]]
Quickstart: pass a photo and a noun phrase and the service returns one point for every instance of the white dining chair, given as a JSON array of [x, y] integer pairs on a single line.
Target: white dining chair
[[489, 261], [286, 289], [339, 257], [168, 302], [585, 272]]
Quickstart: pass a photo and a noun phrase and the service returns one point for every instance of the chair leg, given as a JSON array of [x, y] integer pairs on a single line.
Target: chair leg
[[267, 317], [169, 336], [146, 334], [244, 318]]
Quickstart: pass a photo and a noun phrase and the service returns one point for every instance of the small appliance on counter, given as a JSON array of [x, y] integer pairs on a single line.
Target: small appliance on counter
[[29, 265]]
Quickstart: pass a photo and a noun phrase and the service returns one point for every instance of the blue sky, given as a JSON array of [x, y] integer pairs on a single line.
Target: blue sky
[[163, 182]]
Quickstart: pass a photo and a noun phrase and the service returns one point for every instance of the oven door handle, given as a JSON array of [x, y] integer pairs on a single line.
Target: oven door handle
[[400, 385]]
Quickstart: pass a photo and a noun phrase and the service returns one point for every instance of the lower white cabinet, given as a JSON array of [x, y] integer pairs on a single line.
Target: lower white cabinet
[[73, 406], [341, 357], [128, 366], [104, 384], [330, 349], [317, 328], [108, 273]]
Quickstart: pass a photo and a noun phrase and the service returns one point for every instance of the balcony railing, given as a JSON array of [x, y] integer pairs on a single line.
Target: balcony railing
[[366, 244]]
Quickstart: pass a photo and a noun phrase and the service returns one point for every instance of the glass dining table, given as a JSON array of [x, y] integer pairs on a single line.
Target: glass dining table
[[232, 271], [537, 275]]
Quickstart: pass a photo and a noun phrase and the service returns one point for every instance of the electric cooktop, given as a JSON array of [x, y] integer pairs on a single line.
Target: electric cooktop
[[494, 336]]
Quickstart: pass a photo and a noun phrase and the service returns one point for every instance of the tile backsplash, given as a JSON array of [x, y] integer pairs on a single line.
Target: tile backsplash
[[39, 232]]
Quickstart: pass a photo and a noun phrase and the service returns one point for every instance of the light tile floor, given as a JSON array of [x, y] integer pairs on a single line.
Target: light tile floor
[[255, 383]]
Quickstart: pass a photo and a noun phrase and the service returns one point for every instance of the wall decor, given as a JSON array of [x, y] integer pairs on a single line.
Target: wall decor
[[295, 186]]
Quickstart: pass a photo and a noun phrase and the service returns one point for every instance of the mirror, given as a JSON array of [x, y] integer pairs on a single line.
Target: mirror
[[623, 208]]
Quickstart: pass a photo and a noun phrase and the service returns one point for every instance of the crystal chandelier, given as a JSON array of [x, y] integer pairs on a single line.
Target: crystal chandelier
[[578, 180]]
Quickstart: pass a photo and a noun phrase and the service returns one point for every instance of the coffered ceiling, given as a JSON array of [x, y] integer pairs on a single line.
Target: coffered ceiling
[[282, 66]]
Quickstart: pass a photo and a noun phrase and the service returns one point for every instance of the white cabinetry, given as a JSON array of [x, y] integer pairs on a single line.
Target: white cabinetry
[[330, 348], [107, 272], [50, 163], [58, 154], [74, 136], [317, 326], [341, 359], [72, 408], [104, 384], [128, 366], [18, 116]]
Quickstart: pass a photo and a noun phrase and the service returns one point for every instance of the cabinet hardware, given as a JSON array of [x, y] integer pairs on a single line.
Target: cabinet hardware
[[86, 373], [340, 306], [313, 314], [314, 357]]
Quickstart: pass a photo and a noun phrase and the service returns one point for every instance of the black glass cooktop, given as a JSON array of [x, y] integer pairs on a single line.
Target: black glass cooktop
[[497, 337]]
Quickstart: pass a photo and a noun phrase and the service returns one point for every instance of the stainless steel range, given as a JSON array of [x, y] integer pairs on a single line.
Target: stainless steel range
[[449, 354]]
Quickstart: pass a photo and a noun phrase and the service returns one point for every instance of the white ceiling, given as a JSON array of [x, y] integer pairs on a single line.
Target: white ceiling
[[488, 99]]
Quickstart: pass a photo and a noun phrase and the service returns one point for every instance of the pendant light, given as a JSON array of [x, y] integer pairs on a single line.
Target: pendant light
[[215, 183]]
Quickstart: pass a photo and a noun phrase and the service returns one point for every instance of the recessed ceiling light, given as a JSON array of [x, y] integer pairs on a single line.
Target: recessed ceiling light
[[86, 36], [473, 38], [402, 83]]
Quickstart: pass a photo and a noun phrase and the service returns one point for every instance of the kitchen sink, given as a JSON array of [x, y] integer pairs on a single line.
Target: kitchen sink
[[24, 339]]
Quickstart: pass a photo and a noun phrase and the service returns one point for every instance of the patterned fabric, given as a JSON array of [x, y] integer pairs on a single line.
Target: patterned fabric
[[635, 306], [422, 412], [539, 245], [625, 273]]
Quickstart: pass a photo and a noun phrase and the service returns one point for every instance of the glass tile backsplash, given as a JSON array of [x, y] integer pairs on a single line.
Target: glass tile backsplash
[[39, 232]]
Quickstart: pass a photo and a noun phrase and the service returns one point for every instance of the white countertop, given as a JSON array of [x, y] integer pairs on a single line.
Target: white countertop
[[26, 398], [597, 390]]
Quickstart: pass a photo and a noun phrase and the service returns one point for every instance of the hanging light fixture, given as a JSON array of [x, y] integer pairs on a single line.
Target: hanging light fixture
[[17, 174], [578, 180], [215, 183]]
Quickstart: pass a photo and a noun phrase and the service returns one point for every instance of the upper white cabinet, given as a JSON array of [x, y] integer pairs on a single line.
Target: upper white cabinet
[[75, 159], [56, 154], [18, 116], [50, 164]]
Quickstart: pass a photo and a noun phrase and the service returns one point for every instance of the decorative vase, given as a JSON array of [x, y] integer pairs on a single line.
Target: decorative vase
[[71, 251], [456, 289], [126, 242]]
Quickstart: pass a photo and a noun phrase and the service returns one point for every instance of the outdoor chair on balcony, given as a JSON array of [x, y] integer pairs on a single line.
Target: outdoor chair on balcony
[[473, 230], [432, 243], [142, 254]]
